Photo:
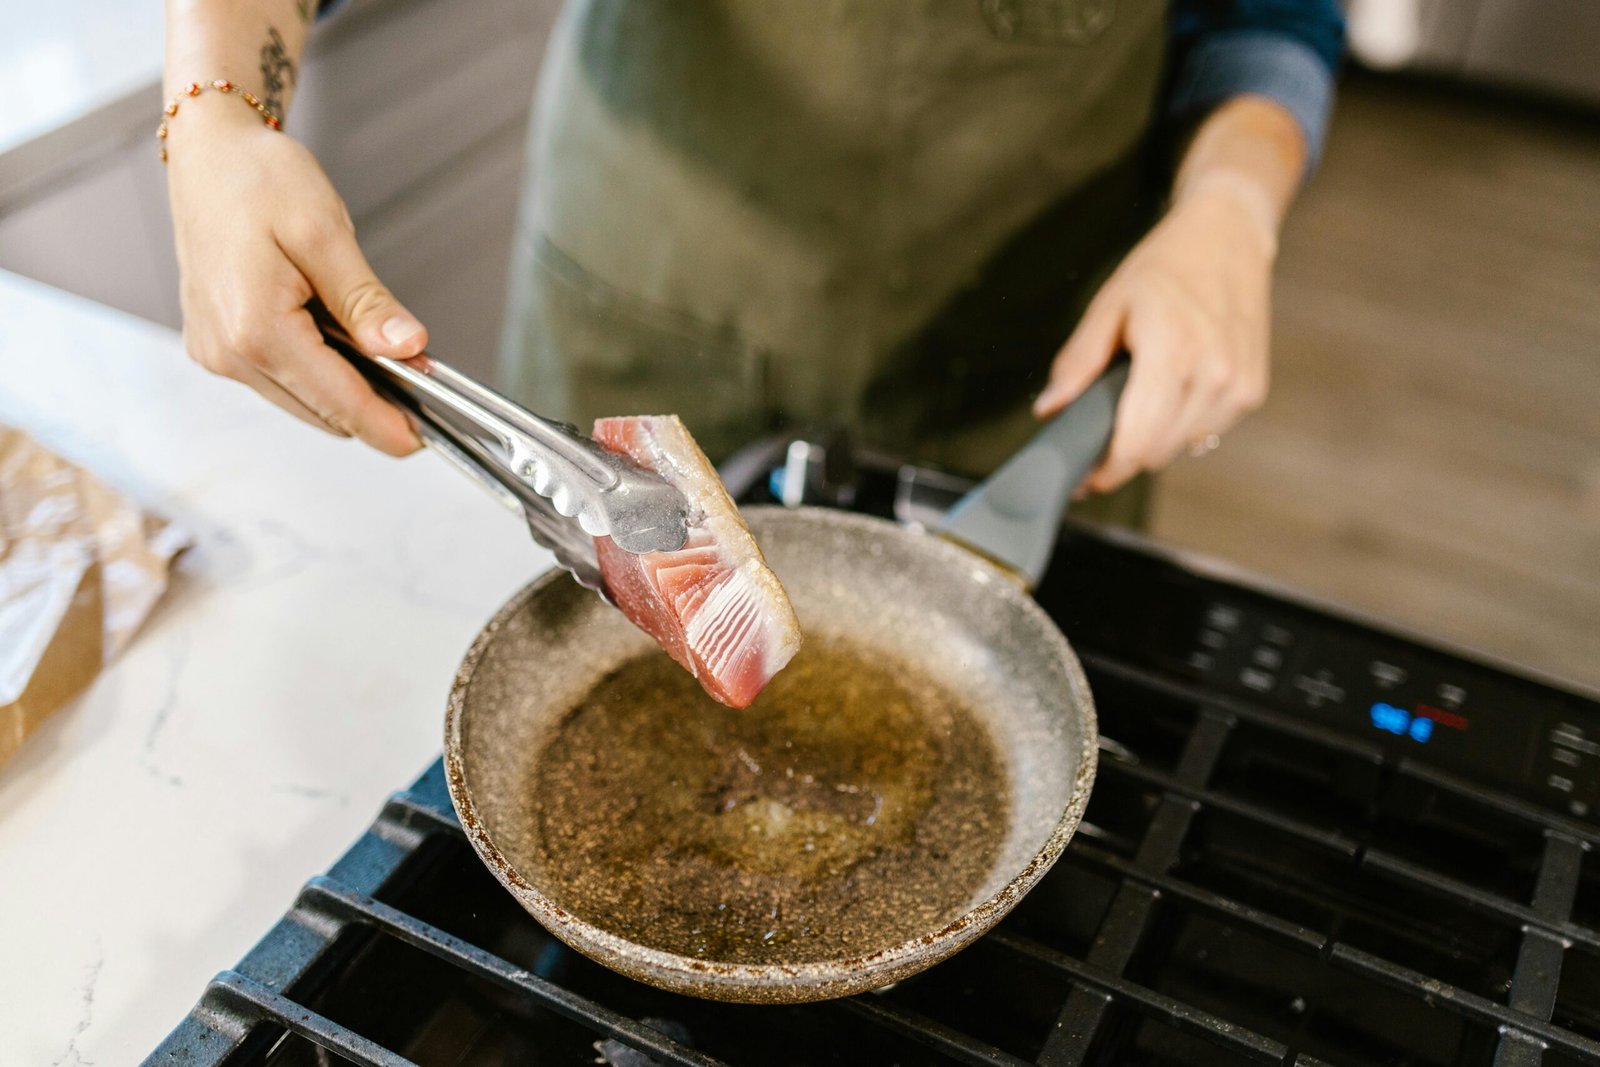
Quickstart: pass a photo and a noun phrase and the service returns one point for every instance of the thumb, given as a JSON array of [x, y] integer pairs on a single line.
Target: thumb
[[341, 276], [1087, 352]]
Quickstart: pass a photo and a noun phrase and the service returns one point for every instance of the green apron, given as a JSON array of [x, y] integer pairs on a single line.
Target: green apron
[[885, 215]]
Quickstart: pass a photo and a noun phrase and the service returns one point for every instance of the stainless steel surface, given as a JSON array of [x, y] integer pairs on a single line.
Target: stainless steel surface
[[572, 547], [1014, 515], [602, 491], [916, 597]]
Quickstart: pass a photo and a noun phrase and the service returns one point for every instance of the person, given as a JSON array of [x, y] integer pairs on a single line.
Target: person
[[929, 222]]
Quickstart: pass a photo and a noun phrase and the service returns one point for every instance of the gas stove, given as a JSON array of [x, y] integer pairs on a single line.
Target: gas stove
[[1313, 840]]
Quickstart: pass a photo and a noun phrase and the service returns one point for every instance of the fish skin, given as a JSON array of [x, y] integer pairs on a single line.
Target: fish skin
[[714, 605]]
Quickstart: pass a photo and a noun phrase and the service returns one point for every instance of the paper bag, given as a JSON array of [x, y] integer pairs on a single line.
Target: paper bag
[[80, 567]]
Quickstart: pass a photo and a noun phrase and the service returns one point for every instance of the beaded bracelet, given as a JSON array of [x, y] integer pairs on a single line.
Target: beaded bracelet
[[195, 89]]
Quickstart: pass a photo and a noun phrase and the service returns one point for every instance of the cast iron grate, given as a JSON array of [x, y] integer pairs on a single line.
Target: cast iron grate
[[1248, 887]]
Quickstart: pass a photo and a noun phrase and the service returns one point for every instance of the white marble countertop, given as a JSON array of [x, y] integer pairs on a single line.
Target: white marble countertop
[[295, 675]]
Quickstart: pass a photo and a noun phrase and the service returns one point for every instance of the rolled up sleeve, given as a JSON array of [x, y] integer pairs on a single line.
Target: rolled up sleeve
[[1288, 52]]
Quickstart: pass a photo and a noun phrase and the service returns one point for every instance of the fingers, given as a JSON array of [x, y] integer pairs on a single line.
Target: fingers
[[285, 400], [283, 358], [324, 248], [1087, 352], [1191, 303], [261, 335], [1217, 400], [1186, 382], [260, 230], [1149, 406], [324, 382], [1199, 365]]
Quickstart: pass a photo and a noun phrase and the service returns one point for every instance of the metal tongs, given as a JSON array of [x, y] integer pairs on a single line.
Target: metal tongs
[[569, 489]]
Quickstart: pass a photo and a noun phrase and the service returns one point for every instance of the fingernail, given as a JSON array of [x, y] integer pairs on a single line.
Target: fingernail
[[398, 329]]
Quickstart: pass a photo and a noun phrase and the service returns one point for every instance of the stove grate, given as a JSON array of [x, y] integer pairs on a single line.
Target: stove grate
[[1249, 886]]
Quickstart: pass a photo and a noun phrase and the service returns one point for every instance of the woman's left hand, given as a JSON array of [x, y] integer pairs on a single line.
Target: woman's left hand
[[1190, 304]]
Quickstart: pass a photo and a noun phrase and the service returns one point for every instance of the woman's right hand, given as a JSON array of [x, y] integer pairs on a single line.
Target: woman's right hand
[[260, 230]]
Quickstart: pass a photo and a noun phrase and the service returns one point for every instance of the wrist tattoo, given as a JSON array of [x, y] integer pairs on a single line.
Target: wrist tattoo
[[277, 71], [305, 9]]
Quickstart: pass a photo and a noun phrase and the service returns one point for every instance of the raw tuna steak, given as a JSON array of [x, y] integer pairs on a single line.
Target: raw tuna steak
[[714, 604]]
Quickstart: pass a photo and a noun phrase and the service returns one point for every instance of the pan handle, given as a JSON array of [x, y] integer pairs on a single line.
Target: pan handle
[[1081, 432], [1014, 516]]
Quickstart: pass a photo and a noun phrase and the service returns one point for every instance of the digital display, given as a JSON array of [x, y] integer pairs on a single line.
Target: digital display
[[1401, 723], [1418, 726]]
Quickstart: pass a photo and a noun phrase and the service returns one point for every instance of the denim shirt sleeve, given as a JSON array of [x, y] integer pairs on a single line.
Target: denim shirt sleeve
[[1285, 50]]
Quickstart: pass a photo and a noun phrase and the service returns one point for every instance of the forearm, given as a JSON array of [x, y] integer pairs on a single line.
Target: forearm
[[1250, 150], [256, 44]]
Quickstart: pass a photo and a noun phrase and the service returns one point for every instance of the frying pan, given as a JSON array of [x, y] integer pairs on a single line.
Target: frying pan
[[961, 618]]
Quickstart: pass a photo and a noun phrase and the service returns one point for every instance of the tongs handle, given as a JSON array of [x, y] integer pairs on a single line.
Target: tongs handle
[[572, 547], [521, 451], [431, 385]]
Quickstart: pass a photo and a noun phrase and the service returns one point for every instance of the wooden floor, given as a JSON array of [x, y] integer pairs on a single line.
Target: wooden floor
[[1431, 449]]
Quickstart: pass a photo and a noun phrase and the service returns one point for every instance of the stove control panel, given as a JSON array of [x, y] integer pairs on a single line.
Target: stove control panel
[[1418, 702]]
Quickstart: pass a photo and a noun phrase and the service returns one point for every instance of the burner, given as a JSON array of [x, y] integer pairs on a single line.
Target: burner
[[1311, 842]]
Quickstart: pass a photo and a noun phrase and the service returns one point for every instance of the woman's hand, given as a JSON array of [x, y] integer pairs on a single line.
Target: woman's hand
[[260, 230], [1191, 302], [1190, 305]]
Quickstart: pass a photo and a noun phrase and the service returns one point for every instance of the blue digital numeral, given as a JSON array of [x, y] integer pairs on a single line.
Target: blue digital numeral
[[1390, 718], [1402, 723]]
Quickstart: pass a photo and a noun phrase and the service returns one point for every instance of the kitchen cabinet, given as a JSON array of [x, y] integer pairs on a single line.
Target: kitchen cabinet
[[417, 109], [1548, 47]]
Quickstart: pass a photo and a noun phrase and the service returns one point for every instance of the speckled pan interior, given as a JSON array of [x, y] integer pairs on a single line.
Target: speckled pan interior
[[913, 595]]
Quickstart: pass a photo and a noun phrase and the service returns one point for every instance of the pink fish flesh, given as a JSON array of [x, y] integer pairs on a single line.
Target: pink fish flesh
[[714, 604]]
